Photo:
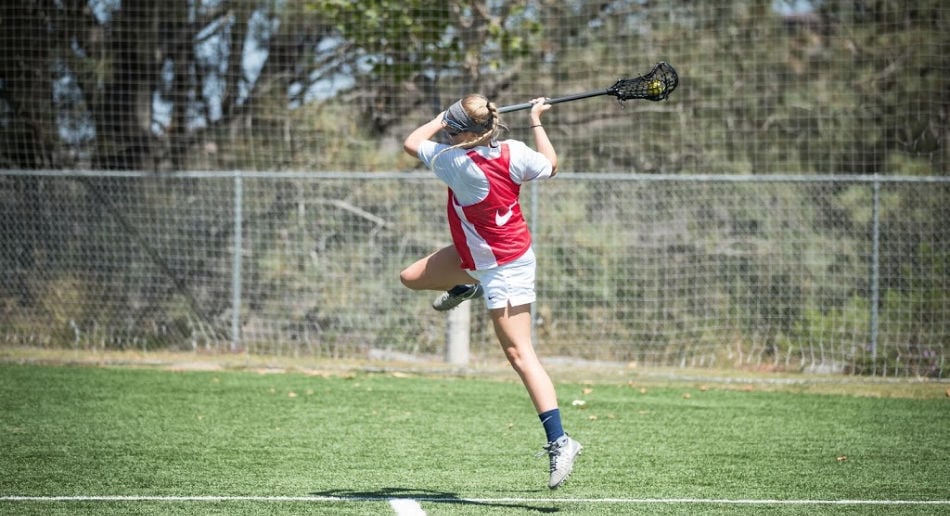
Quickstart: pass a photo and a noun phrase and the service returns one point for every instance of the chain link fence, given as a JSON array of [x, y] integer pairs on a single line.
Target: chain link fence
[[820, 274]]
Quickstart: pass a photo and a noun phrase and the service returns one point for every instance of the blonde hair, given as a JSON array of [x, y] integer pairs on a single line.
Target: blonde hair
[[483, 112]]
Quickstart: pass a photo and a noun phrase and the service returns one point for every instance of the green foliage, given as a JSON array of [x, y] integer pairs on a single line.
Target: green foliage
[[384, 30], [839, 89]]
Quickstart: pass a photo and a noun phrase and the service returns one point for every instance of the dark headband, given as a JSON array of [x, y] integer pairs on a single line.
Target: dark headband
[[458, 120]]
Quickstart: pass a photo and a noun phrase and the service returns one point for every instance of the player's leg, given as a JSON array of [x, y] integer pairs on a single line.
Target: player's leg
[[513, 329], [440, 270]]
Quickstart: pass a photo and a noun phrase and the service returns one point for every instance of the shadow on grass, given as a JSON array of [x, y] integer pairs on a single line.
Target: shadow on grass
[[422, 495]]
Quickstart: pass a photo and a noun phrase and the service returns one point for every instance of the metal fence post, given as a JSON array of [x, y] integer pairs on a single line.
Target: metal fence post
[[875, 267], [236, 262], [533, 225]]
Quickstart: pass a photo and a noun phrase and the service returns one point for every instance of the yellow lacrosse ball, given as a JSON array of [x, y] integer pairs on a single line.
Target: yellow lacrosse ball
[[655, 87]]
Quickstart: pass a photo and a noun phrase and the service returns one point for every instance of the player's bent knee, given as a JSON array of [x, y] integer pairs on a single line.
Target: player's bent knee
[[409, 279], [515, 359]]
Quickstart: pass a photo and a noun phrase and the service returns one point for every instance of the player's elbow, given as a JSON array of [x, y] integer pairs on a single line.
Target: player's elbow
[[411, 147]]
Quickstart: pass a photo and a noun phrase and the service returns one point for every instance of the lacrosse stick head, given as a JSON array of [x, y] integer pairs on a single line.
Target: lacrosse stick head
[[655, 85]]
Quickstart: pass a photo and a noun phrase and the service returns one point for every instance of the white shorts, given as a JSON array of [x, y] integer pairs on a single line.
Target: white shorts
[[509, 284]]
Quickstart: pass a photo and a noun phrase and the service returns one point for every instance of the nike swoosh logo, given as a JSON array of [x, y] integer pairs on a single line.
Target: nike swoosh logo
[[502, 218]]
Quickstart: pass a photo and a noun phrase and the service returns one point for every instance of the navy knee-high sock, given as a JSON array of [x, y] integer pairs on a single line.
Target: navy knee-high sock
[[552, 424]]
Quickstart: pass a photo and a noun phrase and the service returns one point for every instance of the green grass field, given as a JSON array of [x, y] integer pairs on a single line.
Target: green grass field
[[150, 440]]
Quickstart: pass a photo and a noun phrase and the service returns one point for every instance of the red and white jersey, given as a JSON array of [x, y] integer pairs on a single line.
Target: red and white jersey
[[485, 219]]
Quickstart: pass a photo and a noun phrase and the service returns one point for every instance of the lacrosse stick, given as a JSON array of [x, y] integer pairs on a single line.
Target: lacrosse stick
[[655, 85]]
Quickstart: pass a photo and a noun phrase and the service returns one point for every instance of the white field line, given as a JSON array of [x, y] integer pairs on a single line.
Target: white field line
[[449, 500], [406, 507]]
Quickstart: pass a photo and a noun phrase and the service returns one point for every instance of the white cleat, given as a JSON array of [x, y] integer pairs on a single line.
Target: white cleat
[[562, 454], [454, 297]]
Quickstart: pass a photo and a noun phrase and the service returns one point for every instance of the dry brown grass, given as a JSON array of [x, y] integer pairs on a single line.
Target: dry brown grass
[[562, 370]]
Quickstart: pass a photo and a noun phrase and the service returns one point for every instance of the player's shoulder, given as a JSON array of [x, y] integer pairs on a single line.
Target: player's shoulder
[[517, 147], [513, 143]]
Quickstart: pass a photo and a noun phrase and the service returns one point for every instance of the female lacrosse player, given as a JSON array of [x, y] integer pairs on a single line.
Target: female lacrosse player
[[491, 255]]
